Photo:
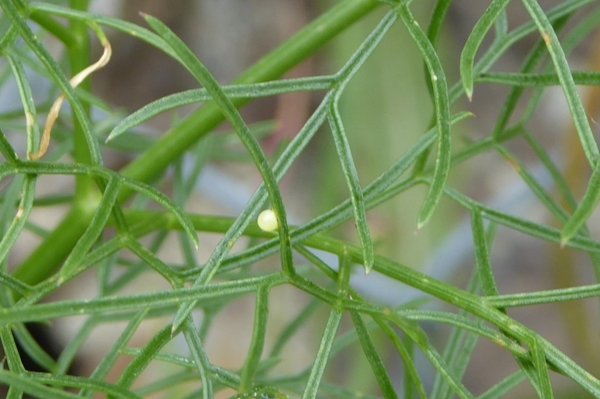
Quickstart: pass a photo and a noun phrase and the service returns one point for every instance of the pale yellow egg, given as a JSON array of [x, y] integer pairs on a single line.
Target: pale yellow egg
[[267, 220]]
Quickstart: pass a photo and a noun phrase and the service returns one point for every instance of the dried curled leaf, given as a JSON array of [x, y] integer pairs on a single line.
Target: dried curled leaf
[[55, 109]]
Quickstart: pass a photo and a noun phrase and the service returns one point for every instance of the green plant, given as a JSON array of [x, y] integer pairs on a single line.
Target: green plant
[[80, 241]]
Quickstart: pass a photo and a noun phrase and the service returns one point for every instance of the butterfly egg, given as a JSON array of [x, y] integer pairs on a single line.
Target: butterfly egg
[[267, 220]]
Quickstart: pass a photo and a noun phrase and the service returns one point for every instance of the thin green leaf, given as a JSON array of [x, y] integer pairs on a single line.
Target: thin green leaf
[[14, 284], [165, 201], [501, 45], [518, 331], [135, 270], [110, 357], [526, 226], [201, 155], [580, 32], [70, 381], [538, 189], [420, 338], [467, 56], [224, 376], [377, 365], [436, 21], [571, 40], [375, 188], [501, 25], [344, 273], [531, 62], [438, 16], [318, 367], [142, 360], [51, 283], [482, 256], [154, 262], [8, 38], [11, 352], [464, 322], [20, 219], [583, 78], [29, 386], [570, 368], [155, 299], [329, 390], [116, 23], [584, 210], [7, 207], [199, 356], [70, 351], [545, 296], [500, 389], [28, 344], [293, 326], [541, 367], [94, 230], [7, 150], [458, 350], [442, 115], [362, 53], [14, 393], [26, 99], [356, 193], [182, 190], [563, 71], [171, 382], [553, 169], [407, 355], [187, 97], [261, 313]]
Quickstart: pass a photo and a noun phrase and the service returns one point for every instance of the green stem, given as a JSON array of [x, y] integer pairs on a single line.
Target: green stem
[[79, 58]]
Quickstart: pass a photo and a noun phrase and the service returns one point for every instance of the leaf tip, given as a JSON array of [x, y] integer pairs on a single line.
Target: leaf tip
[[469, 93], [421, 221], [177, 322]]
